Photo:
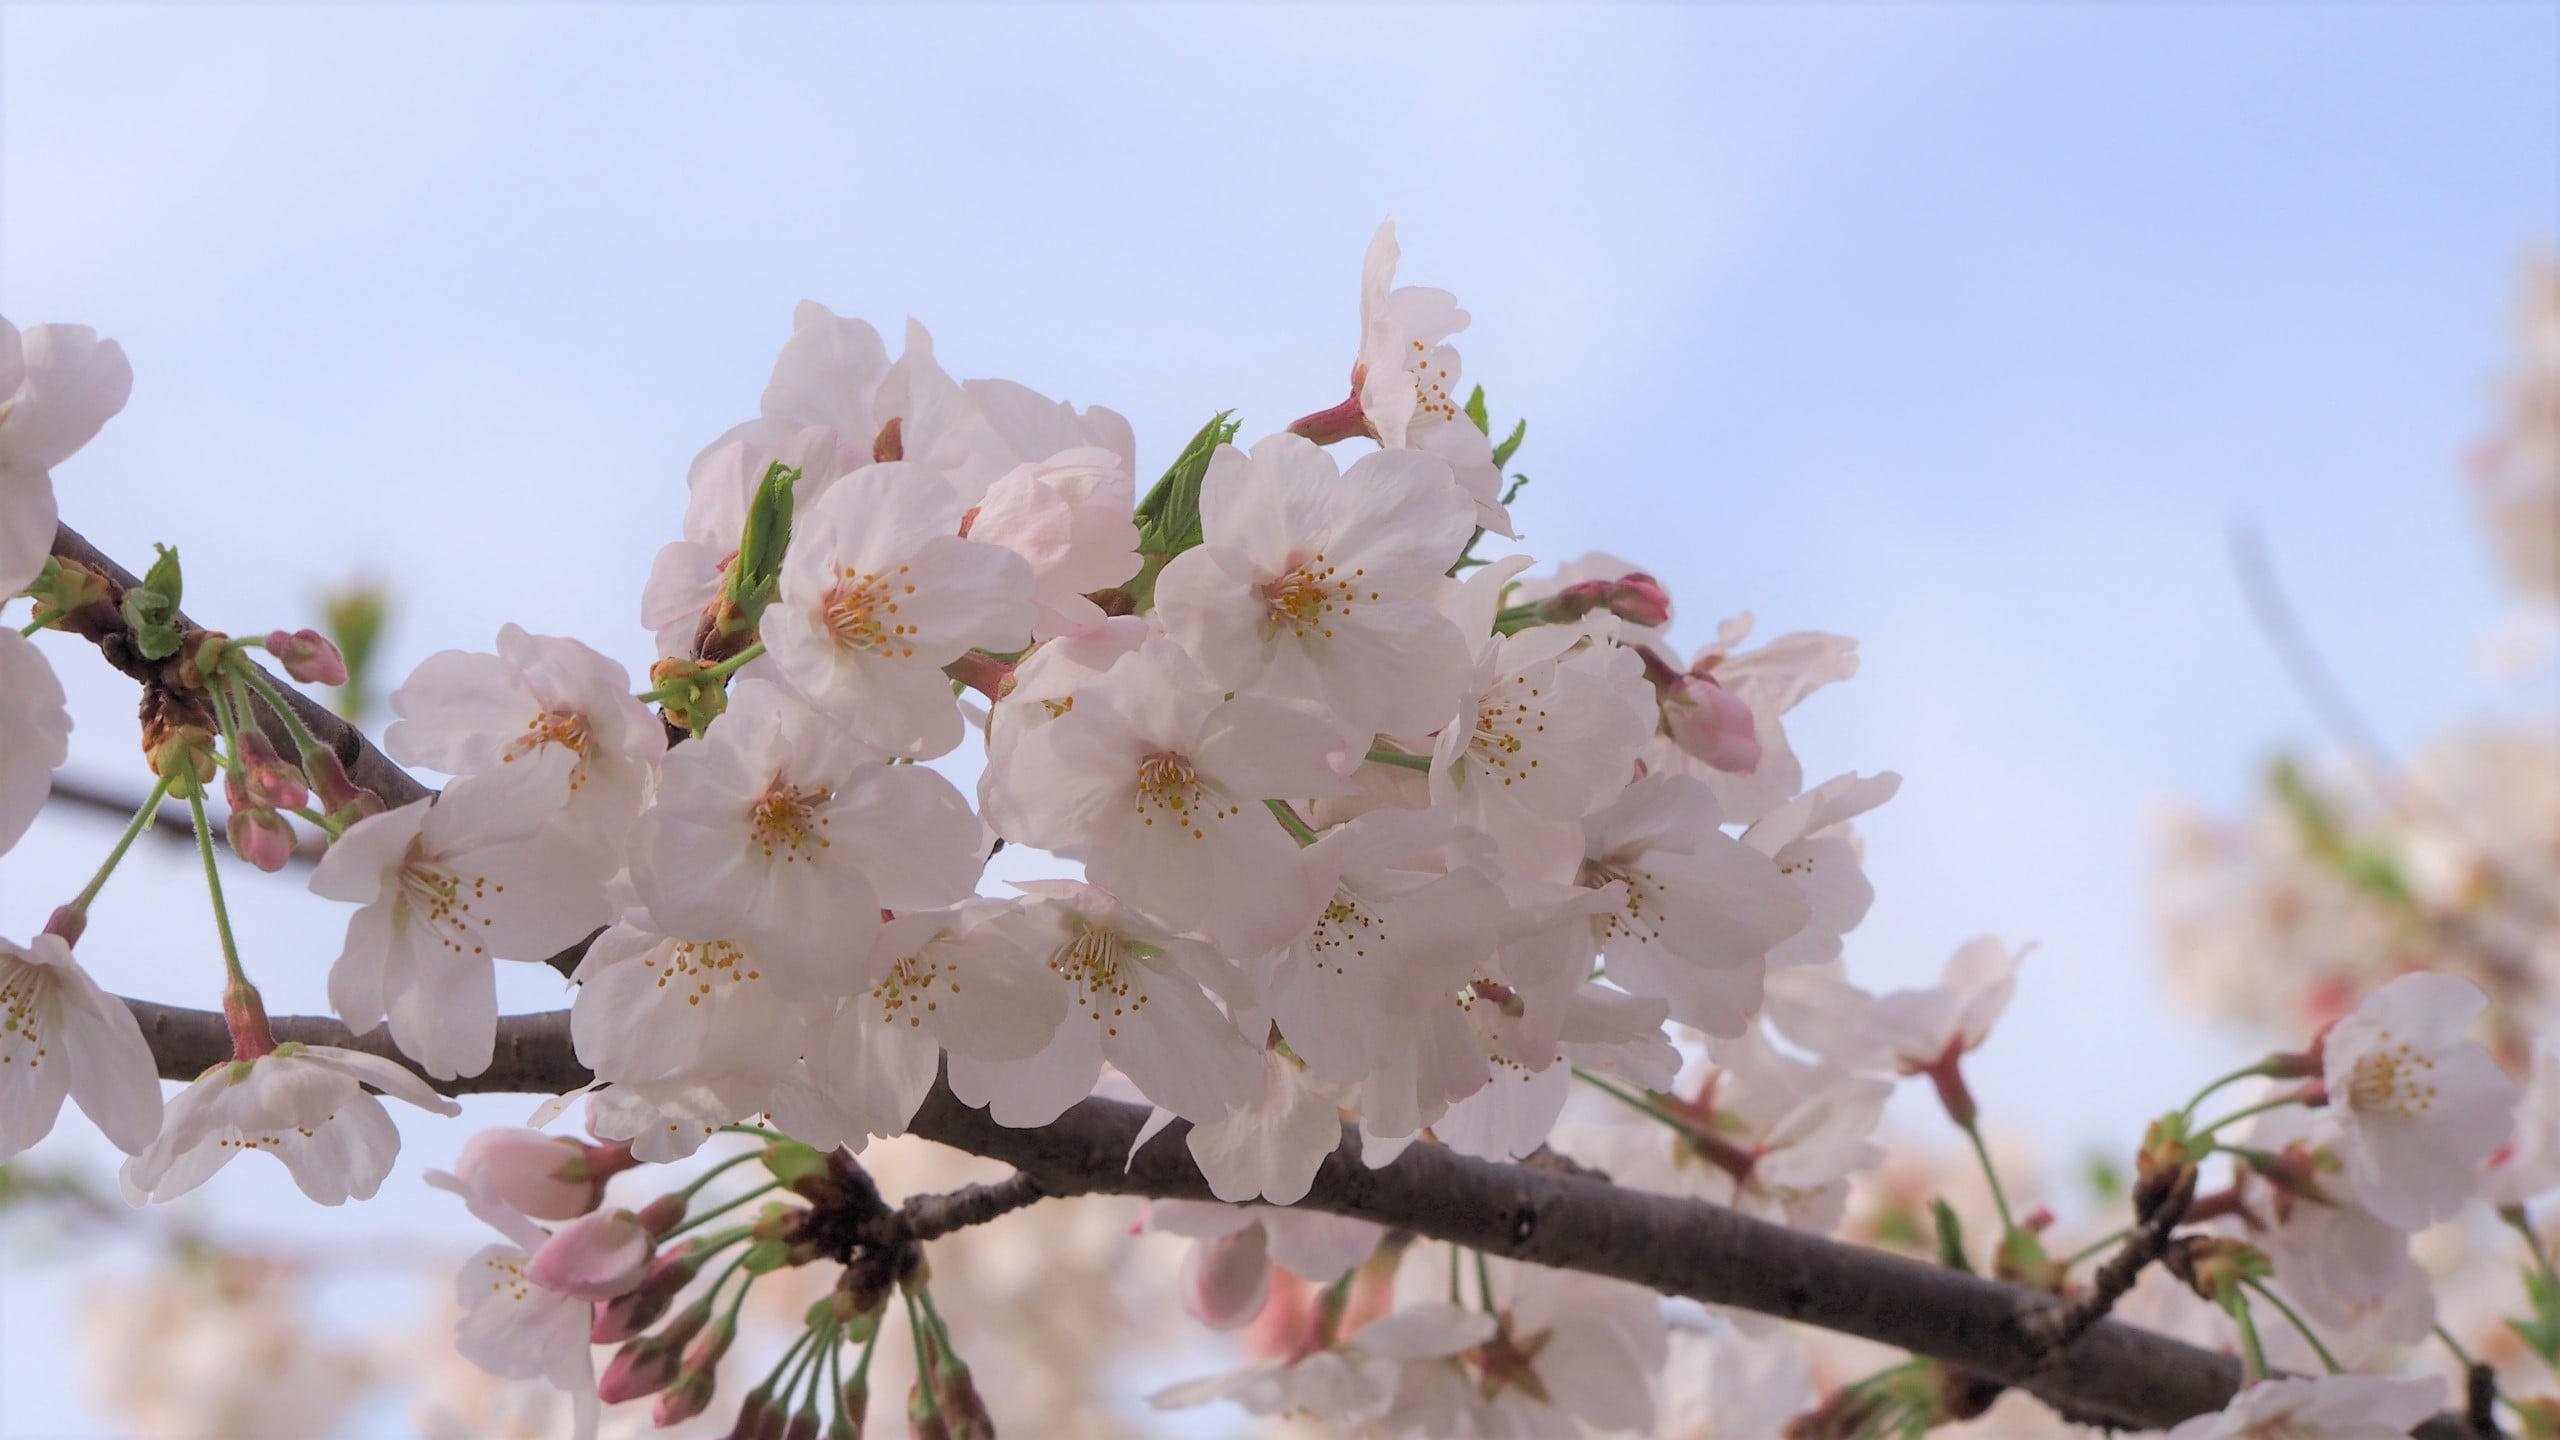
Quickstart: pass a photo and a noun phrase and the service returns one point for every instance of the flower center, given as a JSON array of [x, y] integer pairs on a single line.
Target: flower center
[[695, 969], [1303, 600], [441, 900], [1431, 382], [861, 611], [786, 821], [909, 989], [1169, 788], [1509, 1363], [2392, 1080], [22, 1015], [1096, 969], [557, 726], [1506, 719], [1343, 935]]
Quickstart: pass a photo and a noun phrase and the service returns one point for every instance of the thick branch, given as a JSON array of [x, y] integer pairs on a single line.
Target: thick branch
[[1674, 1245]]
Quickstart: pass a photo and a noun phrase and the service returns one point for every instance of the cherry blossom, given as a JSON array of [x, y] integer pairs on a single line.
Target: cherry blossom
[[59, 385], [1157, 779], [1138, 996], [2321, 1407], [1567, 1347], [693, 1027], [547, 1177], [2419, 1105], [38, 725], [1270, 1147], [552, 717], [308, 1105], [60, 1035], [1043, 688], [1769, 682], [686, 577], [1813, 844], [515, 1324], [1315, 585], [1916, 1030], [1069, 517], [879, 593], [1697, 905], [1347, 1380], [781, 832], [1406, 382], [447, 887]]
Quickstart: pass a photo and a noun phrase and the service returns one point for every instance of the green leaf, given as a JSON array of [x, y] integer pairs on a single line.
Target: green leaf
[[764, 539], [1475, 412], [1510, 446], [152, 607], [2542, 1332], [1169, 518]]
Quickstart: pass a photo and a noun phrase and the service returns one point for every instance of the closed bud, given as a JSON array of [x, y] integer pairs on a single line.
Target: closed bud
[[627, 1315], [308, 656], [2215, 1267], [1639, 599], [751, 1413], [261, 837], [642, 1367], [924, 1422], [594, 1257], [549, 1177], [803, 1426], [268, 778], [688, 1396], [1711, 724], [183, 755], [343, 799], [1227, 1278], [964, 1410]]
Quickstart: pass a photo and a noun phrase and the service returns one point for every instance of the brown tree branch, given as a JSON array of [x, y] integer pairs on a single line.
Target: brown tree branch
[[1677, 1246]]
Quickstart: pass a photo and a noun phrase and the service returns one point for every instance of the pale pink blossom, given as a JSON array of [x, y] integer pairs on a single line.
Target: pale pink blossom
[[1769, 682], [548, 1177], [552, 719], [515, 1323], [61, 1036], [2321, 1407], [1315, 585], [2419, 1104], [693, 1027], [1351, 1380], [1157, 780], [1069, 518], [688, 573], [594, 1257], [36, 725], [1914, 1030], [880, 592], [1548, 732], [780, 832], [1044, 687], [308, 1105], [59, 384], [1408, 377], [1811, 840], [1270, 1147]]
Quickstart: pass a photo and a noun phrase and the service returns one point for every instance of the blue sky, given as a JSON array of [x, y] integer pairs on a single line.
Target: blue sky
[[1967, 330]]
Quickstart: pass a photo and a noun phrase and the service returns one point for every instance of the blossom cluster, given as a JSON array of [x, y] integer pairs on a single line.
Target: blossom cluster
[[1367, 834]]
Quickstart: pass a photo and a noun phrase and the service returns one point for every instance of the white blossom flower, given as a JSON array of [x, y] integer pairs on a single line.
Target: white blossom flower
[[1157, 780], [1548, 732], [552, 717], [1344, 1380], [448, 886], [1137, 999], [513, 1325], [60, 1035], [1699, 909], [1811, 840], [1914, 1030], [2349, 1272], [1069, 517], [1570, 1350], [1270, 1147], [692, 1027], [1044, 687], [2321, 1407], [1771, 1136], [308, 1105], [780, 832], [37, 727], [879, 593], [59, 384], [688, 573], [1407, 378], [1318, 586], [1728, 1383], [2419, 1105]]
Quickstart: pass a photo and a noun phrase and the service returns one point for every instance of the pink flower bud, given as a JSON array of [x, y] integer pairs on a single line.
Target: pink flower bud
[[270, 779], [308, 656], [594, 1257], [683, 1400], [262, 838], [67, 921], [643, 1367], [627, 1315], [1639, 599], [1226, 1278], [1710, 722], [804, 1426], [544, 1176]]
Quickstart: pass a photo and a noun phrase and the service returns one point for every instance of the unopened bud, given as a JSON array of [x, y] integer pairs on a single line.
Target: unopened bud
[[803, 1426], [627, 1315], [964, 1410], [2166, 1162], [686, 1397], [663, 1214], [1711, 723], [341, 797], [594, 1257], [267, 778], [261, 837], [549, 1177], [1226, 1279], [924, 1422], [2216, 1267], [308, 656], [643, 1366]]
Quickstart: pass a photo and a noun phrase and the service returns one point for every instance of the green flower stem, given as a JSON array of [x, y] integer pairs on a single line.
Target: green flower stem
[[141, 819], [1990, 1172], [721, 1209], [2234, 1078], [1399, 759], [2299, 1324], [2245, 1112], [213, 884], [303, 739], [1290, 822], [706, 1177]]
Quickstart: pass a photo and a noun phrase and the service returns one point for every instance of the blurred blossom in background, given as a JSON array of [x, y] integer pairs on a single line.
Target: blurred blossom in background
[[1972, 332]]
